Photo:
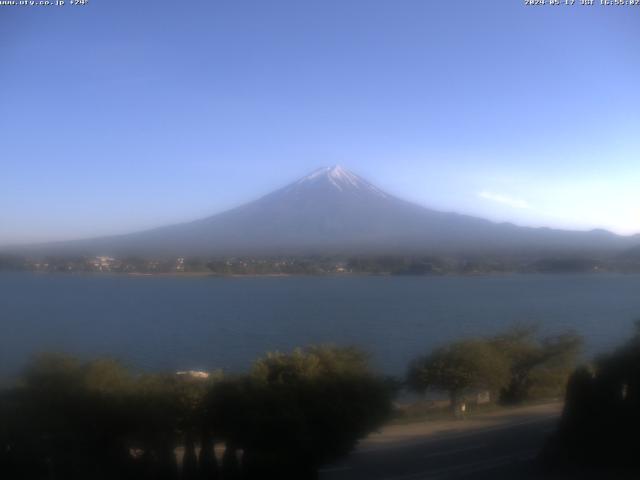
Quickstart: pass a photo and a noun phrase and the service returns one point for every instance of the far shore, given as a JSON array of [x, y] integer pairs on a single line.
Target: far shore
[[328, 274]]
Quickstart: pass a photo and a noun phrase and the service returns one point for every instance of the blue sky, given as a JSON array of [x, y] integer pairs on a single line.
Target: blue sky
[[121, 115]]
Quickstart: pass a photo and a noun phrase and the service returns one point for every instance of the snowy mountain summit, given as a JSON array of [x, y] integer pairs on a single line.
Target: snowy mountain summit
[[339, 178]]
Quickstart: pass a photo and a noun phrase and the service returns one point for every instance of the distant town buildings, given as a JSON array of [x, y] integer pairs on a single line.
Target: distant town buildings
[[180, 264], [103, 264], [193, 373], [317, 265]]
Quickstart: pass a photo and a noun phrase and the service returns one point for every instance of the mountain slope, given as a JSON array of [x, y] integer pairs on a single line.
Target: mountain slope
[[333, 210]]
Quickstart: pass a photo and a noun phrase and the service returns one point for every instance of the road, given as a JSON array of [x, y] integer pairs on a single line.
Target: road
[[500, 445]]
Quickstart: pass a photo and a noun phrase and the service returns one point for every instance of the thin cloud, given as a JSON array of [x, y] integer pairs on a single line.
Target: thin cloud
[[504, 199]]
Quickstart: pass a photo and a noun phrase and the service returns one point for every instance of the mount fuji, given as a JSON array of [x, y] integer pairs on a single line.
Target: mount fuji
[[333, 211]]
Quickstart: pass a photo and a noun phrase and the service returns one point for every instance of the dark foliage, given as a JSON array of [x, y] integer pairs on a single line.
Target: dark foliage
[[298, 411], [70, 420], [601, 417]]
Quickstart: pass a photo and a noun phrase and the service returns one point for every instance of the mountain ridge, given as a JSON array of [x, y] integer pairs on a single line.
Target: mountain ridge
[[332, 210]]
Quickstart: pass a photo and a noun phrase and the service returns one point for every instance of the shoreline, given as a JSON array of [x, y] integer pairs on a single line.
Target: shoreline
[[331, 274]]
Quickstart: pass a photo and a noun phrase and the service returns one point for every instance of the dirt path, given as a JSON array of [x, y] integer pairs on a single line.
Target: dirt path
[[497, 445], [396, 435]]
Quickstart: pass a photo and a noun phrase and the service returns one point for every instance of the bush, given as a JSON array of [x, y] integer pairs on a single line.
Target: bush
[[296, 411]]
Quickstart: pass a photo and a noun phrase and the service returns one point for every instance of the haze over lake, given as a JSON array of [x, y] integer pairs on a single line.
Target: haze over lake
[[171, 323]]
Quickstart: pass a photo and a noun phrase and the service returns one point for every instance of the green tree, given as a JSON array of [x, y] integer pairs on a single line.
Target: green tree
[[538, 367], [310, 363], [459, 368]]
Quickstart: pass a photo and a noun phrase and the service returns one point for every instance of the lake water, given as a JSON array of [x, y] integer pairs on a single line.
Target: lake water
[[172, 323]]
